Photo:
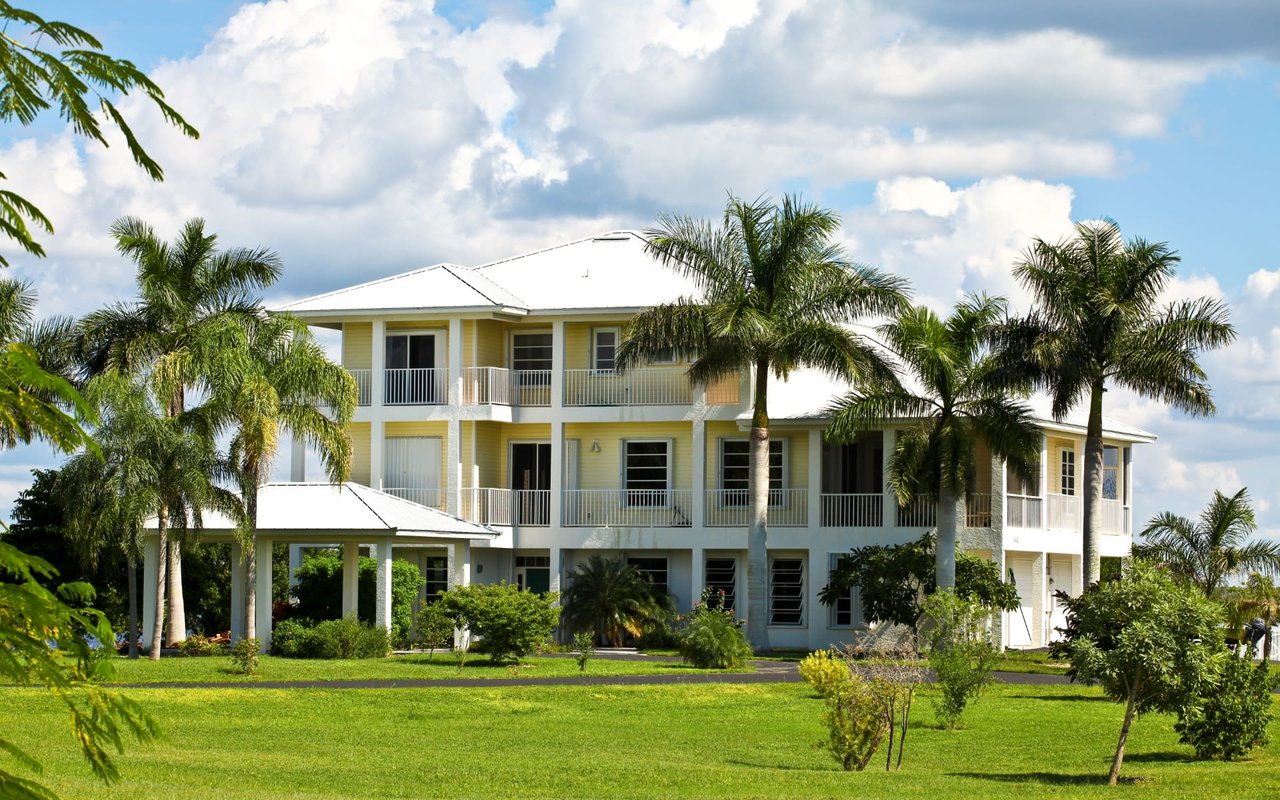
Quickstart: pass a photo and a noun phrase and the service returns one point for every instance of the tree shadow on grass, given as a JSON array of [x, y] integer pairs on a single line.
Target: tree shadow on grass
[[1060, 698], [1159, 758], [781, 767], [1048, 778]]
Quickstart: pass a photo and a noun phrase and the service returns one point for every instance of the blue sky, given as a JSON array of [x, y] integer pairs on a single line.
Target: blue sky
[[364, 137]]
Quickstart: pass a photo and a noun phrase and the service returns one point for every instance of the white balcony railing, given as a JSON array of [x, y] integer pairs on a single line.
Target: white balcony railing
[[921, 512], [1115, 517], [977, 511], [730, 508], [482, 386], [429, 497], [527, 507], [852, 510], [647, 386], [530, 387], [1065, 512], [628, 508], [364, 386], [1024, 512], [415, 387]]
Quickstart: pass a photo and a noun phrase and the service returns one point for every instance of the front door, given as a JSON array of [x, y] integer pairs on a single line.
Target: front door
[[531, 482], [1059, 579], [1021, 621]]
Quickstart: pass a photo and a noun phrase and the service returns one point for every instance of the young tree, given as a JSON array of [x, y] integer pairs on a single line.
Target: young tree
[[1149, 641], [963, 399], [75, 75], [180, 330], [1098, 323], [610, 597], [774, 294], [1210, 552]]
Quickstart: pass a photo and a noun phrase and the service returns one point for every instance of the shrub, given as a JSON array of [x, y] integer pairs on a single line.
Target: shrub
[[854, 719], [960, 652], [825, 671], [510, 622], [332, 639], [319, 590], [610, 597], [244, 656], [584, 645], [712, 639], [199, 645], [435, 626], [1233, 718]]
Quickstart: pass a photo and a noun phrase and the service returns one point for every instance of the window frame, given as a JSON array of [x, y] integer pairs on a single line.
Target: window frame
[[706, 584], [1114, 469], [647, 572], [511, 346], [593, 356], [854, 600], [784, 446], [1067, 472], [625, 490], [801, 611]]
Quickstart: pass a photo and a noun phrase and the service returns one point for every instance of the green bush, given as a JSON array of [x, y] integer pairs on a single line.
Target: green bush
[[199, 645], [1233, 718], [855, 721], [435, 626], [825, 671], [319, 590], [712, 638], [960, 652], [511, 623], [332, 639], [584, 645], [244, 656]]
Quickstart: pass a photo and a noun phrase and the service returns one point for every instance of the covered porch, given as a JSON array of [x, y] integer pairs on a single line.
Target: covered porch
[[322, 514]]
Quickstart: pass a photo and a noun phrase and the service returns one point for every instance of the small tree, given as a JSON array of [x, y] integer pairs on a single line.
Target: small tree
[[511, 622], [1233, 718], [889, 658], [1149, 641], [960, 652]]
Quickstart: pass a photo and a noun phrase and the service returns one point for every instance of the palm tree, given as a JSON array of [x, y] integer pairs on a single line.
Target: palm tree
[[610, 597], [282, 381], [175, 330], [1210, 552], [774, 294], [961, 400], [1097, 323]]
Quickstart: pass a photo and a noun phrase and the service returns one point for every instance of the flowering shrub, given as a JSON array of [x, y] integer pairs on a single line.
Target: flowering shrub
[[825, 671]]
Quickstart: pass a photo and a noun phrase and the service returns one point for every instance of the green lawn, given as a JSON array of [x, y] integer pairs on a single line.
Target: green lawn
[[1034, 661], [180, 669], [591, 741]]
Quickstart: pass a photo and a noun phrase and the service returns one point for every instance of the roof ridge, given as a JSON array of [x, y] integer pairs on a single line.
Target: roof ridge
[[334, 292], [480, 292], [365, 503], [569, 243]]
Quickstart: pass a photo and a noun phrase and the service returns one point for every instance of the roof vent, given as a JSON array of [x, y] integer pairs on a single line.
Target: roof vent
[[613, 236]]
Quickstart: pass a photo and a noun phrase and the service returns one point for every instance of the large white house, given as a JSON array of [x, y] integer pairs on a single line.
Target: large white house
[[490, 393]]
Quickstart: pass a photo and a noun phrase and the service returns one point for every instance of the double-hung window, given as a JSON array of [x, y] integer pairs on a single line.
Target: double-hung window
[[604, 349], [786, 590], [735, 471], [435, 571], [1110, 472], [646, 472], [1068, 482]]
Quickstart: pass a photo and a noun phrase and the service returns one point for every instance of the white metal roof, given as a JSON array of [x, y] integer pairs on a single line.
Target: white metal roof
[[441, 287]]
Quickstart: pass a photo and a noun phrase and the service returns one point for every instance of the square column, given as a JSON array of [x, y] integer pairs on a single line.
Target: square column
[[150, 562], [379, 363], [350, 578], [453, 467], [814, 489], [697, 575], [237, 592], [819, 571], [382, 592], [557, 566], [699, 509], [888, 501], [295, 561], [376, 438], [557, 475], [557, 369], [262, 557]]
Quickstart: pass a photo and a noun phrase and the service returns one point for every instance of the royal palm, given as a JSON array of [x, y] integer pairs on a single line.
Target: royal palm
[[773, 294]]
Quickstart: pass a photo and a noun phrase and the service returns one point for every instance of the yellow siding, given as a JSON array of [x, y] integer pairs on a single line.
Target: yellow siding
[[798, 445], [491, 344], [437, 428], [489, 455], [465, 429], [357, 345], [358, 433], [423, 325], [1054, 468], [468, 340], [602, 470], [577, 345]]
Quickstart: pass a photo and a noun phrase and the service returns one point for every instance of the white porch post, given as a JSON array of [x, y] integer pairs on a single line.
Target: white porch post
[[350, 578], [1043, 480], [557, 567], [150, 559], [819, 570], [382, 594], [262, 557], [888, 502], [379, 363], [453, 467], [699, 506], [376, 440], [557, 474], [460, 563], [237, 592], [557, 364], [813, 492], [295, 561], [697, 574]]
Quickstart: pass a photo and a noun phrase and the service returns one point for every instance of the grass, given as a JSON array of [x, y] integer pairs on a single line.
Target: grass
[[214, 669], [1033, 661], [757, 740]]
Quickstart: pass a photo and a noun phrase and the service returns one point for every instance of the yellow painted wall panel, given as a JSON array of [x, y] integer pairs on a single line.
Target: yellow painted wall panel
[[358, 433], [434, 428], [419, 325], [797, 452], [357, 345], [489, 455], [491, 343], [603, 470]]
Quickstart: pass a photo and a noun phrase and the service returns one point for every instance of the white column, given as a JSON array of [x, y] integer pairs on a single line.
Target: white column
[[1039, 582], [379, 363], [453, 467], [889, 502], [237, 592], [295, 561], [455, 362], [815, 613], [814, 494], [376, 438], [350, 578], [699, 506], [460, 563], [382, 591], [262, 558], [557, 474], [1043, 479], [150, 561], [557, 365], [697, 574], [557, 568]]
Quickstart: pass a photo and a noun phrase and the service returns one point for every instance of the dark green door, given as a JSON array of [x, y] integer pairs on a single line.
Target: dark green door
[[537, 579]]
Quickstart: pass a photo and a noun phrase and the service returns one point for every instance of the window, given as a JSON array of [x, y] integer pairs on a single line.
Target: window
[[722, 582], [410, 365], [847, 612], [533, 561], [435, 571], [653, 570], [604, 349], [786, 591], [1110, 472], [531, 351], [1068, 472], [1026, 485], [666, 355], [646, 470], [735, 460]]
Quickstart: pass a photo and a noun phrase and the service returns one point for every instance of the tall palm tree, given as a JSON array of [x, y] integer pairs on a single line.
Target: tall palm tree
[[961, 400], [774, 294], [1208, 553], [610, 597], [1097, 323], [175, 330], [282, 381]]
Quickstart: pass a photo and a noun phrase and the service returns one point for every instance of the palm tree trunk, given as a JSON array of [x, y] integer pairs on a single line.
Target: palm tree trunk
[[1092, 561], [758, 496], [944, 557], [177, 609], [131, 574], [157, 629], [251, 553]]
